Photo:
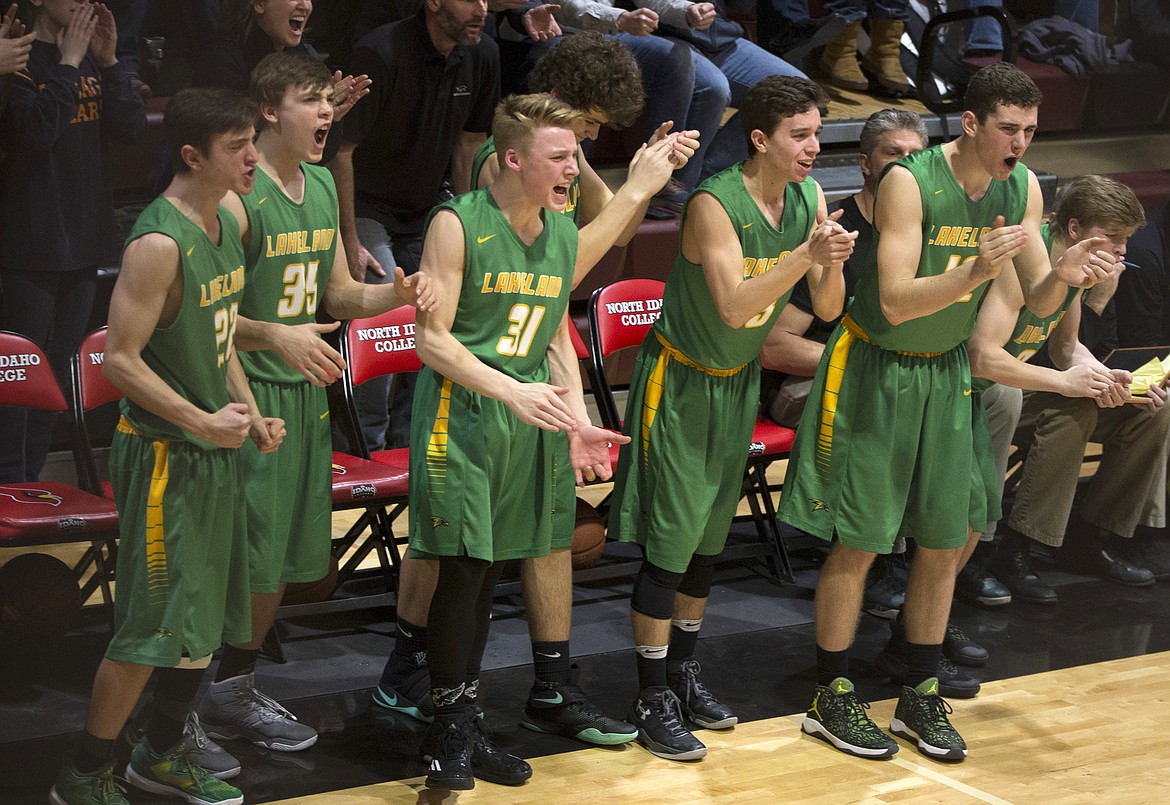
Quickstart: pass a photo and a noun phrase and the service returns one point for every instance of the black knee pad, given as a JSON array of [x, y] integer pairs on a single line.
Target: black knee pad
[[654, 590], [696, 582]]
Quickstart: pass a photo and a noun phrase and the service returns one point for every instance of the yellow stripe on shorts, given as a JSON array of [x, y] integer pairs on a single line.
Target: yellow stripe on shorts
[[437, 444], [652, 398], [833, 379], [157, 579]]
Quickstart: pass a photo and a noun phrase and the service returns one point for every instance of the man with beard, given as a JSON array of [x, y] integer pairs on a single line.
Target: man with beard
[[432, 73]]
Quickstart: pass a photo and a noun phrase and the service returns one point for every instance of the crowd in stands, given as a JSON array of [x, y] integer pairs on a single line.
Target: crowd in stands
[[409, 129]]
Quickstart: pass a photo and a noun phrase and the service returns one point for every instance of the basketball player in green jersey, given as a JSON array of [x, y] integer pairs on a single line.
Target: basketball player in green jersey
[[182, 564], [499, 427], [288, 224], [600, 79], [889, 444], [748, 234], [1130, 485]]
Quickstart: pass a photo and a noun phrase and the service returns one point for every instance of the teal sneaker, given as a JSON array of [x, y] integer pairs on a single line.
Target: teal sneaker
[[921, 716], [175, 774], [96, 788], [837, 716]]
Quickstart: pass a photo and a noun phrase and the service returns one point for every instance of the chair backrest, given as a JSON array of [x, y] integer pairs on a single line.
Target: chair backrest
[[89, 390], [372, 347], [578, 342], [25, 375], [380, 345], [620, 314], [92, 387]]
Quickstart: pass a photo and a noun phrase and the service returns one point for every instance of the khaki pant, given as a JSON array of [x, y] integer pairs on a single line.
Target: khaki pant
[[1129, 488]]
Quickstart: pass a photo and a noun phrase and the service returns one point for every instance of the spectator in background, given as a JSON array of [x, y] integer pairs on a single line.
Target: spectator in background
[[15, 46], [675, 89], [985, 37], [1143, 315], [881, 66], [729, 63], [56, 211], [196, 22], [436, 73]]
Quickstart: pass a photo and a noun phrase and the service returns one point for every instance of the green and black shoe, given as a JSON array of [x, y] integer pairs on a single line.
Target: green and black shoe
[[921, 716], [837, 716]]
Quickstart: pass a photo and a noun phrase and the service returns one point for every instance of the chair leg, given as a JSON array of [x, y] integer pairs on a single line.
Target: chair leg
[[758, 471]]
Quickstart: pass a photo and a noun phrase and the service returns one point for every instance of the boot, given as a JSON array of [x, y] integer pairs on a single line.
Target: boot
[[839, 60], [883, 60]]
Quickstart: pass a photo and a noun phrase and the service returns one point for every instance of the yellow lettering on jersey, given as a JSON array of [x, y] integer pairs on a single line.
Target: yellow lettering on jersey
[[487, 282], [542, 286], [526, 284], [502, 283], [749, 265], [222, 286], [940, 237]]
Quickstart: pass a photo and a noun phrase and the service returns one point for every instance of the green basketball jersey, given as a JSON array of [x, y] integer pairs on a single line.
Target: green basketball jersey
[[1031, 331], [290, 256], [951, 227], [690, 320], [488, 150], [513, 295], [191, 354]]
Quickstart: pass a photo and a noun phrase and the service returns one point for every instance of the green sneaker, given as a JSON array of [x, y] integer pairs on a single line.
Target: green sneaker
[[175, 774], [921, 716], [96, 788], [837, 716]]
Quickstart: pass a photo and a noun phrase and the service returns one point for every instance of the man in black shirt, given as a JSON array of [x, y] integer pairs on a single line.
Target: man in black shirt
[[1143, 294], [435, 87]]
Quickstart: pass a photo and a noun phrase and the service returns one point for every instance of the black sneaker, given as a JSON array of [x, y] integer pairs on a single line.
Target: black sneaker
[[921, 716], [976, 584], [1011, 565], [952, 681], [446, 750], [885, 590], [405, 687], [961, 649], [1148, 551], [564, 710], [837, 716], [489, 762], [698, 704], [658, 718]]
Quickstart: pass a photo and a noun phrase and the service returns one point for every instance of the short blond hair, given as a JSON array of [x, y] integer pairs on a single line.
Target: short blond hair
[[519, 116], [1097, 201]]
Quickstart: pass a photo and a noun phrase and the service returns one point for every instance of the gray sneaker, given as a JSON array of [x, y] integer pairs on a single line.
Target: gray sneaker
[[234, 709], [206, 752]]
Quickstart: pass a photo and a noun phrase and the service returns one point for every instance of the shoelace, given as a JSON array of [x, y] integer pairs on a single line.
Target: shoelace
[[198, 774], [454, 739], [108, 784], [195, 731], [669, 713], [695, 687], [938, 708], [270, 709], [855, 708]]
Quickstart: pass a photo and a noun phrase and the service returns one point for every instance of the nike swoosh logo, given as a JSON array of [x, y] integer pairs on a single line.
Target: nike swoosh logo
[[261, 201], [484, 240], [553, 656], [324, 415], [745, 226], [936, 192], [391, 701], [966, 392], [557, 700], [190, 250]]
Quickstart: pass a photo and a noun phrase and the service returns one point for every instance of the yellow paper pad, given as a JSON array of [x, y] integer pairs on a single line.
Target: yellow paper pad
[[1153, 373]]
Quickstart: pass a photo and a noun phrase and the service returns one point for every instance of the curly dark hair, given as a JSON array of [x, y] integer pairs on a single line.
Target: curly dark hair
[[776, 97], [588, 71], [1000, 84]]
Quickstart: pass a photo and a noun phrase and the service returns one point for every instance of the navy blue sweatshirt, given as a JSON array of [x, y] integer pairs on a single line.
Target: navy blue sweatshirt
[[56, 212]]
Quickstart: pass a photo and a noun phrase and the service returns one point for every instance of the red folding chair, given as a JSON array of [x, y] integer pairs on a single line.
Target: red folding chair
[[49, 512], [89, 390], [373, 347], [620, 314]]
